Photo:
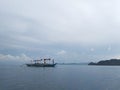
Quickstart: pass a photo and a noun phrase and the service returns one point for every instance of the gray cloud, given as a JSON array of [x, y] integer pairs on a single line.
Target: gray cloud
[[22, 57], [48, 27]]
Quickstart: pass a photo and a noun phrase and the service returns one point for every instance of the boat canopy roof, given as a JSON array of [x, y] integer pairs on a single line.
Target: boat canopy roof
[[42, 59]]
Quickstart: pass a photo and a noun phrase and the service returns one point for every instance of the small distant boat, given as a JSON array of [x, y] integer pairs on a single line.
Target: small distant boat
[[42, 63]]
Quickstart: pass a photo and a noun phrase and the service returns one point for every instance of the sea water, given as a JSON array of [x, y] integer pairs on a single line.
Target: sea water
[[61, 77]]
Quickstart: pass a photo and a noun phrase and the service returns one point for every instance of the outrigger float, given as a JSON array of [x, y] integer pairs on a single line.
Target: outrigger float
[[42, 63]]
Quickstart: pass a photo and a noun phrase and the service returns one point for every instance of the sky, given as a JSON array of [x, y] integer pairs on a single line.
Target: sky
[[66, 30]]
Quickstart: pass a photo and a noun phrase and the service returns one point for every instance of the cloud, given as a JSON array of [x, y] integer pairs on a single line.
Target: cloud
[[79, 22], [9, 57], [18, 31], [92, 49], [69, 28], [62, 52]]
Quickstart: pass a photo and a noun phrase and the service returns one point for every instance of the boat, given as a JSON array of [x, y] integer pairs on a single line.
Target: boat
[[42, 63]]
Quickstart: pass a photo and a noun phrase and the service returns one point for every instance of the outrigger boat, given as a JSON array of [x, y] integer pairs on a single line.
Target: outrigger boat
[[41, 63]]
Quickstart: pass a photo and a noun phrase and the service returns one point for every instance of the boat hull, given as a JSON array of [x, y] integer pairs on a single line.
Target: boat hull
[[41, 65]]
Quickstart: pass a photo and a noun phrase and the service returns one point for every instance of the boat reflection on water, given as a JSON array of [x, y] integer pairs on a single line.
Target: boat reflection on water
[[42, 63]]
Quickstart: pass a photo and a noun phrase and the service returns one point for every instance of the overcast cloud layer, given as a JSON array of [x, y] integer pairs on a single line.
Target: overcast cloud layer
[[69, 31]]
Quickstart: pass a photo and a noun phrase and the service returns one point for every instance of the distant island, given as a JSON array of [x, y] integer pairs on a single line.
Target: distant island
[[72, 63], [107, 62]]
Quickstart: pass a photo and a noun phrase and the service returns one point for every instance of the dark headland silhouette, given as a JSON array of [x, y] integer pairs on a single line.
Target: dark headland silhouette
[[107, 62]]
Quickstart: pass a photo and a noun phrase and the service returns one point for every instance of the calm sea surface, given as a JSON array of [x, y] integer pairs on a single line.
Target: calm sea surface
[[62, 77]]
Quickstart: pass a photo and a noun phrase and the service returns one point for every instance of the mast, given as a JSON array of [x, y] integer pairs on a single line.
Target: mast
[[46, 59], [53, 61]]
